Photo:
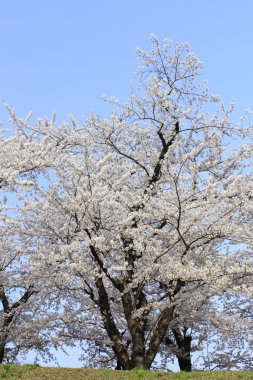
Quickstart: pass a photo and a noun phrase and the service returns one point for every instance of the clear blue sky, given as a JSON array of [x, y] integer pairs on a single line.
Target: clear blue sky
[[63, 55]]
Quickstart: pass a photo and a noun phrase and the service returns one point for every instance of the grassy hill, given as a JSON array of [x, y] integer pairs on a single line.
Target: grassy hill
[[33, 372]]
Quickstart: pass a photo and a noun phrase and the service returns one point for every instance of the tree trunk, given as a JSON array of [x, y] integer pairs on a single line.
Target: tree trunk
[[184, 350], [185, 363], [2, 352], [139, 362], [118, 366], [181, 348], [184, 357]]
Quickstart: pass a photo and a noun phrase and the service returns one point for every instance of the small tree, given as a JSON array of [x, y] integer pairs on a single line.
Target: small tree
[[141, 222]]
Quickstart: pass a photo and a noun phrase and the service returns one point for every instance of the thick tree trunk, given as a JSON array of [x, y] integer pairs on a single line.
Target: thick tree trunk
[[185, 362], [184, 357], [118, 366], [139, 356], [136, 328], [184, 350], [181, 347], [139, 362]]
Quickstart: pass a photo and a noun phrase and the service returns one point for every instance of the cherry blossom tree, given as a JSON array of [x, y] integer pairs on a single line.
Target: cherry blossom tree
[[27, 153], [21, 288], [141, 221]]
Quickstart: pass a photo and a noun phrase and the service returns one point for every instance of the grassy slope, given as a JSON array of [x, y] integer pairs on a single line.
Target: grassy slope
[[32, 372]]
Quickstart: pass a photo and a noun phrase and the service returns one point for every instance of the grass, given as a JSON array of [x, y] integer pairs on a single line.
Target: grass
[[35, 372]]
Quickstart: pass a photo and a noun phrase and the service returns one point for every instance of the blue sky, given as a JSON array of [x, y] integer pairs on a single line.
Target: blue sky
[[63, 55]]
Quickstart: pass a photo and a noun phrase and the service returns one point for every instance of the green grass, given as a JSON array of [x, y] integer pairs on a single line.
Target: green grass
[[35, 372]]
